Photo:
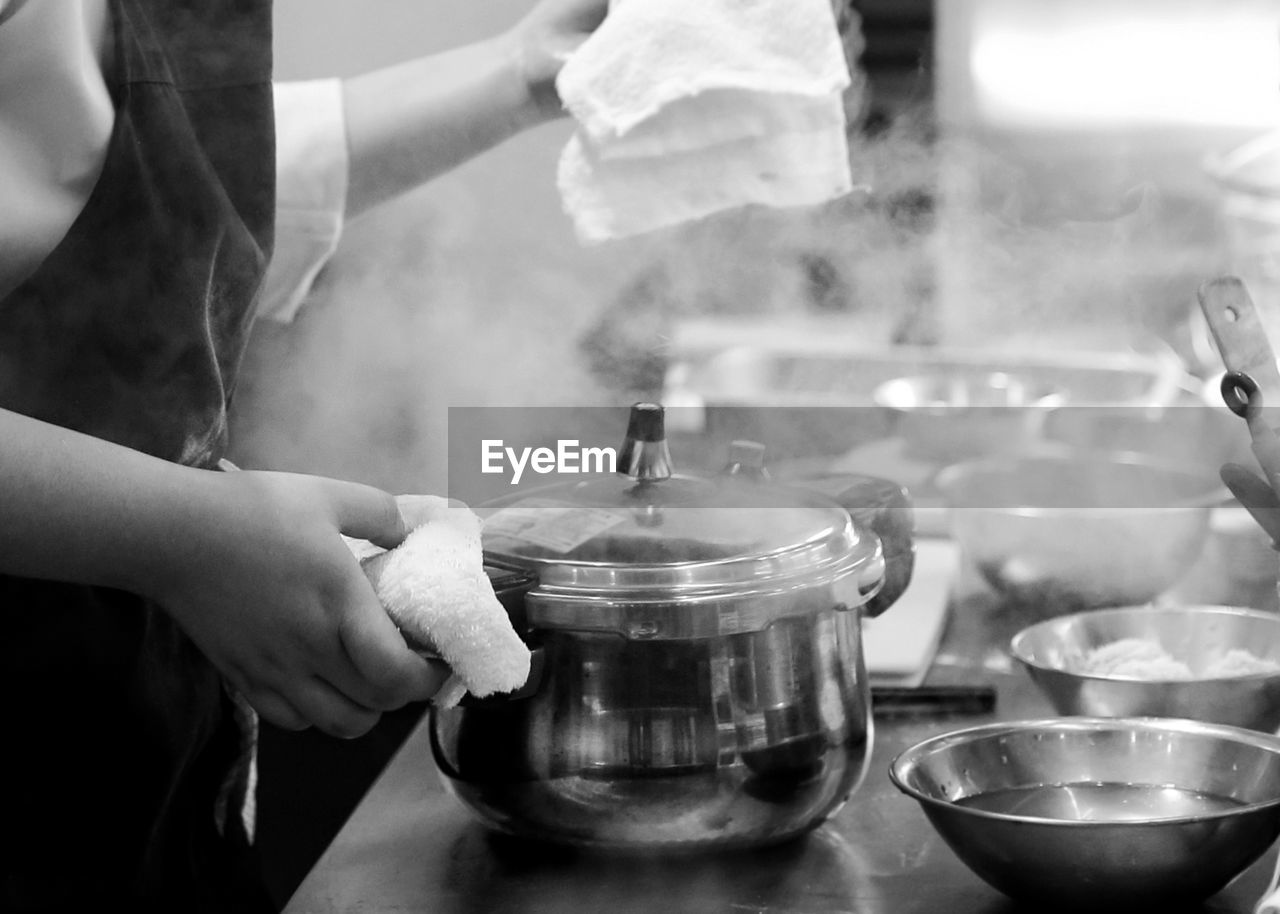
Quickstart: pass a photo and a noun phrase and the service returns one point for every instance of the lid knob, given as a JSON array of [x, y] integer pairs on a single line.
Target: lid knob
[[746, 460], [644, 455]]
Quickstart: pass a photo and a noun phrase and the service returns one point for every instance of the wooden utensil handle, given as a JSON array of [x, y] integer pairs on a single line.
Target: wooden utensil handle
[[1241, 338]]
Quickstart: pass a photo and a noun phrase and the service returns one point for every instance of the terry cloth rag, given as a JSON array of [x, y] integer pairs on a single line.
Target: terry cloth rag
[[434, 587], [685, 109]]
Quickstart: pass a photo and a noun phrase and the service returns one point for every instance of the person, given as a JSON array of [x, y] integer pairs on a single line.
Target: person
[[152, 603]]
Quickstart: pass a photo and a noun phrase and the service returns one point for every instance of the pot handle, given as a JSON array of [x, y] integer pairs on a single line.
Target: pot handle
[[510, 583], [884, 508], [537, 670]]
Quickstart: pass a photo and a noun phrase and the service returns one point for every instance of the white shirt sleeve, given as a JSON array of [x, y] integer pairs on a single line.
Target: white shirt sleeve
[[311, 191]]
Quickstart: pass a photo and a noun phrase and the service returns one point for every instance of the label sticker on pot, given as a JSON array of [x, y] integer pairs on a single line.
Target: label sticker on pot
[[554, 525]]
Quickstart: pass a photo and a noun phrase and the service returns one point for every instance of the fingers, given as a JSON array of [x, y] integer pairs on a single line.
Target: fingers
[[326, 707], [384, 673], [1257, 496], [355, 663], [319, 704], [1248, 487], [275, 709], [366, 513], [338, 708], [373, 664], [423, 509], [330, 711]]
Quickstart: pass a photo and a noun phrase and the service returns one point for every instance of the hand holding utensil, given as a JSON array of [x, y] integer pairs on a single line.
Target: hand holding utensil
[[1243, 397], [1258, 498], [1252, 375]]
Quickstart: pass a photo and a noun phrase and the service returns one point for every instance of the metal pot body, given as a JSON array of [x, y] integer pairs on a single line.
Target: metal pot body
[[636, 740]]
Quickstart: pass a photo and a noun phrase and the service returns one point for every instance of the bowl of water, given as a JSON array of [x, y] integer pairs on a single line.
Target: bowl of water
[[1087, 813]]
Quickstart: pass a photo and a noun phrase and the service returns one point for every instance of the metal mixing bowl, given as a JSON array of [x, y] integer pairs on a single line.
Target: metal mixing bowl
[[1054, 652], [960, 413], [1086, 813], [1062, 532], [1200, 435]]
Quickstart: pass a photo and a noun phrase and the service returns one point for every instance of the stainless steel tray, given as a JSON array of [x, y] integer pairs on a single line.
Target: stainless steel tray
[[806, 391], [720, 363]]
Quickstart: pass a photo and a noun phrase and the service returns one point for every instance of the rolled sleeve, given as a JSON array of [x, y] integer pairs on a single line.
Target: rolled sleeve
[[311, 191]]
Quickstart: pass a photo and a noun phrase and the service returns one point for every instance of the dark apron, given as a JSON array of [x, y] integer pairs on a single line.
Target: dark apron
[[121, 736]]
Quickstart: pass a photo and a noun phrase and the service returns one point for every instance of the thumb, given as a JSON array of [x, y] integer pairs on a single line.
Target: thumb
[[1248, 487], [424, 509], [366, 513]]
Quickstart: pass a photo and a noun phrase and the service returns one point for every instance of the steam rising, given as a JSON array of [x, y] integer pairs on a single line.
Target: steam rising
[[1092, 249], [473, 292]]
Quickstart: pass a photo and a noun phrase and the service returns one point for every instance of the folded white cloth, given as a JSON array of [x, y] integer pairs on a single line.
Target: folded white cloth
[[688, 108], [433, 585]]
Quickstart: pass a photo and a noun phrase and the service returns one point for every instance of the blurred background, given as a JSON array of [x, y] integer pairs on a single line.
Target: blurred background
[[1033, 166], [1044, 175]]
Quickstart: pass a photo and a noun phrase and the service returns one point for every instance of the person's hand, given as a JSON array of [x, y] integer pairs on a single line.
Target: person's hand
[[1258, 497], [545, 38], [554, 29], [261, 580]]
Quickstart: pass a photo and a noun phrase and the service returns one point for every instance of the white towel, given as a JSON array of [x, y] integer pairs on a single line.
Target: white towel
[[690, 107], [433, 585]]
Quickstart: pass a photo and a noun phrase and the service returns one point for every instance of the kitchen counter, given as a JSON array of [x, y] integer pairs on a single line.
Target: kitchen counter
[[410, 846]]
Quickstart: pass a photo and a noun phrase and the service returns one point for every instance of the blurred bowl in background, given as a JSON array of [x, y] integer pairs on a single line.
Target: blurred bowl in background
[[1239, 565], [958, 413], [736, 370], [1063, 532], [1087, 813], [1187, 430], [1056, 655]]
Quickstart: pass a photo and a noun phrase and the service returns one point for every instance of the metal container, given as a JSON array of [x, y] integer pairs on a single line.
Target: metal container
[[702, 675], [1054, 654], [1132, 814], [957, 414], [1069, 530], [738, 372]]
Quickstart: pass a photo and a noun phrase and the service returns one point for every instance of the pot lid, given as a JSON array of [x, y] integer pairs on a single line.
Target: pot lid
[[651, 535]]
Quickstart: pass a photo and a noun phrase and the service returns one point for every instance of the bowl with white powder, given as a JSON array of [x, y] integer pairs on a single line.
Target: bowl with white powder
[[1219, 664]]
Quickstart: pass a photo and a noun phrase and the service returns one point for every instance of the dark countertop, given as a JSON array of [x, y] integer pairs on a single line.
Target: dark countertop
[[410, 846]]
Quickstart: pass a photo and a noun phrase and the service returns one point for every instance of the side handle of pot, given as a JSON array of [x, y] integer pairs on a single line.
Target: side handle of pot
[[510, 584], [537, 669], [883, 507]]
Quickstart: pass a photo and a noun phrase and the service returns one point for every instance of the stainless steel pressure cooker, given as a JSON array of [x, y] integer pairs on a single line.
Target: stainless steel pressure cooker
[[700, 677]]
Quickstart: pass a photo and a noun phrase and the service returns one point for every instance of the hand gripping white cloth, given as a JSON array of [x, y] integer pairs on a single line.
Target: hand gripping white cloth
[[690, 107], [434, 587]]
